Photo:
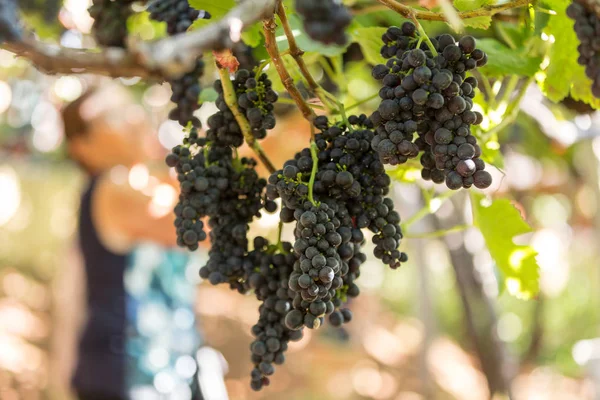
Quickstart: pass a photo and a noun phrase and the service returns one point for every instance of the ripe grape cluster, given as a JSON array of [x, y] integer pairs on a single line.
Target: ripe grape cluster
[[325, 20], [178, 14], [217, 184], [185, 88], [330, 191], [255, 99], [426, 106], [349, 185], [587, 28], [185, 92], [213, 184], [110, 21], [271, 267]]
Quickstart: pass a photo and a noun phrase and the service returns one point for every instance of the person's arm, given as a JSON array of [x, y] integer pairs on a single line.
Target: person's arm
[[122, 210]]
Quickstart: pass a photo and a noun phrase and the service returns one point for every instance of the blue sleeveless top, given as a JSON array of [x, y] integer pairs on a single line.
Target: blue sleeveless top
[[141, 338], [101, 356]]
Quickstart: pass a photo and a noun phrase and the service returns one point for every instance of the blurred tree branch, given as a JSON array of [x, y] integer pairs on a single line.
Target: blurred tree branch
[[163, 58], [52, 59], [479, 311]]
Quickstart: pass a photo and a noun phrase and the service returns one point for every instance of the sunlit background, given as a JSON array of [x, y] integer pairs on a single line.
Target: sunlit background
[[408, 340]]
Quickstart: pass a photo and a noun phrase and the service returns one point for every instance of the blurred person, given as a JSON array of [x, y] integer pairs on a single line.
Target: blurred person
[[139, 338]]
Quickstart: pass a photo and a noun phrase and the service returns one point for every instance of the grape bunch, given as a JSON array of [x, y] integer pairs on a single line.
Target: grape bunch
[[185, 92], [255, 99], [325, 20], [178, 14], [318, 272], [361, 183], [300, 285], [426, 107], [185, 88], [587, 27], [110, 21], [271, 267], [9, 21], [225, 189], [349, 191]]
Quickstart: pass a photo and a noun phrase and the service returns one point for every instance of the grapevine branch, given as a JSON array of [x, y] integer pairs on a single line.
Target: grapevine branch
[[485, 11], [297, 54], [163, 58], [231, 100], [271, 45], [51, 59]]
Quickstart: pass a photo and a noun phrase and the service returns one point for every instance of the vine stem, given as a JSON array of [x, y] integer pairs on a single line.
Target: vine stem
[[314, 106], [262, 66], [511, 113], [271, 45], [313, 172], [427, 208], [370, 9], [409, 12], [297, 53], [436, 234], [279, 232], [231, 100], [363, 101], [423, 35]]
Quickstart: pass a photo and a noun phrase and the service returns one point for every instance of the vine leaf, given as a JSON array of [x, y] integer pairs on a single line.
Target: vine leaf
[[369, 40], [504, 61], [499, 222], [468, 5], [216, 9], [253, 35], [564, 75]]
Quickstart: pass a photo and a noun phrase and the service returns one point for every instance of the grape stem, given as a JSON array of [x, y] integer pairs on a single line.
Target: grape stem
[[231, 100], [436, 234], [313, 172], [271, 45], [285, 100], [511, 113], [361, 102], [489, 10], [279, 232], [431, 206], [370, 9], [424, 36], [297, 54]]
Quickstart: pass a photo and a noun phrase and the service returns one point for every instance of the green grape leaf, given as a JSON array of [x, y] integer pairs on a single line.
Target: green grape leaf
[[253, 35], [478, 22], [216, 9], [369, 40], [505, 61], [499, 223], [468, 5], [564, 75]]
